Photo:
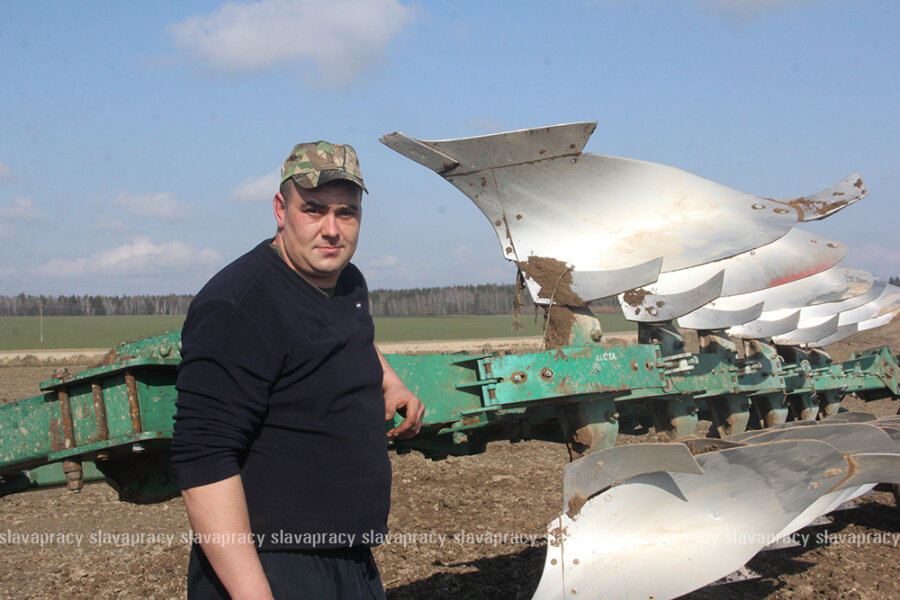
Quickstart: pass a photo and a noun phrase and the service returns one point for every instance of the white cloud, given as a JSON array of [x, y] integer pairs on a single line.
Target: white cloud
[[382, 261], [162, 206], [385, 270], [110, 224], [6, 172], [141, 257], [20, 210], [256, 189], [340, 38]]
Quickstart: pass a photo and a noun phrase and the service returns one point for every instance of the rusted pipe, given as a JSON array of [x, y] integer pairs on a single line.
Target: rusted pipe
[[134, 405], [100, 411]]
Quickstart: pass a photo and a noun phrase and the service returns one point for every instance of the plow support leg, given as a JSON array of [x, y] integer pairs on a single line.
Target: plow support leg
[[731, 414], [676, 417], [589, 426]]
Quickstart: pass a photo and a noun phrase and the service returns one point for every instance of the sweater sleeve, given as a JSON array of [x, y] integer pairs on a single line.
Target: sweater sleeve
[[224, 382]]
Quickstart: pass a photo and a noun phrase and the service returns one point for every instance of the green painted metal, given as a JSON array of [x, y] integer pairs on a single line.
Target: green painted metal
[[49, 475], [107, 415], [118, 416]]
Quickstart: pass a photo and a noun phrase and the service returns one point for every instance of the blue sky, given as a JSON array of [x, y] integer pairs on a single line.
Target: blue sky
[[139, 142]]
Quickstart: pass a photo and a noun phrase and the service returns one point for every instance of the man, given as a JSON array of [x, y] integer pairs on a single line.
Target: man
[[279, 444]]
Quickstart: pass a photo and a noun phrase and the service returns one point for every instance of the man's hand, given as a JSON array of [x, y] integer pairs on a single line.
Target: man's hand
[[401, 400], [398, 399]]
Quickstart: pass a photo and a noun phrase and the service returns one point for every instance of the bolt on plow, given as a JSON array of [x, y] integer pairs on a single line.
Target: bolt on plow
[[677, 252]]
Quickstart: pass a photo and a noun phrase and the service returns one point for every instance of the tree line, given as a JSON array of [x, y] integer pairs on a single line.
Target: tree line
[[487, 299], [25, 305]]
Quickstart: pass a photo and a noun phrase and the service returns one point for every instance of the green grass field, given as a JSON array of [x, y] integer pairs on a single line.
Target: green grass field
[[24, 333]]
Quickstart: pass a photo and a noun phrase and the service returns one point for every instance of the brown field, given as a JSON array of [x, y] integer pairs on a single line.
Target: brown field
[[510, 490]]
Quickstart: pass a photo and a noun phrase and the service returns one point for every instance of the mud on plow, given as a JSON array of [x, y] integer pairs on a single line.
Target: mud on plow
[[763, 296]]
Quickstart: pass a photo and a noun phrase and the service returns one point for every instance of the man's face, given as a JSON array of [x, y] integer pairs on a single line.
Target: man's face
[[318, 229]]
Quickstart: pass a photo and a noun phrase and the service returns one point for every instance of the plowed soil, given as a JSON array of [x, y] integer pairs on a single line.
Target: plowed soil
[[471, 527]]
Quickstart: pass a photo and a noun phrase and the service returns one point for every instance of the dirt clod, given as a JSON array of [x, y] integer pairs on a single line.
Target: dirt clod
[[554, 277]]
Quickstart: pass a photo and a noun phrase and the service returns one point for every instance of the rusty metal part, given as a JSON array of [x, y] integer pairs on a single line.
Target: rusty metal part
[[134, 404], [72, 468], [100, 411], [820, 205], [676, 417], [730, 414], [74, 474], [587, 425], [66, 422], [704, 445]]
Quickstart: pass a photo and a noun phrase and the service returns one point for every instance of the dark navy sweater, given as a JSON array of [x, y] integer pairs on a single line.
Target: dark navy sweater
[[281, 384]]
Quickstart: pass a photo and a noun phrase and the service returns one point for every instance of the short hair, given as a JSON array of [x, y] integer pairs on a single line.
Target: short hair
[[286, 186]]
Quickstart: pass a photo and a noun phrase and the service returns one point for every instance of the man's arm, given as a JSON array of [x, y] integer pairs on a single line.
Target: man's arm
[[398, 398], [219, 518]]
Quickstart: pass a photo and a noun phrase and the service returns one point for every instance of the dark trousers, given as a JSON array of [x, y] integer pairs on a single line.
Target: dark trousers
[[344, 574]]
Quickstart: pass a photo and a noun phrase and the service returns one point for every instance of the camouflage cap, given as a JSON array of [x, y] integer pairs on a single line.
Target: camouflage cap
[[313, 163]]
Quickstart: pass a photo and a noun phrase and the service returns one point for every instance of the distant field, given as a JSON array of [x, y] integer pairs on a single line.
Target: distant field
[[23, 333]]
